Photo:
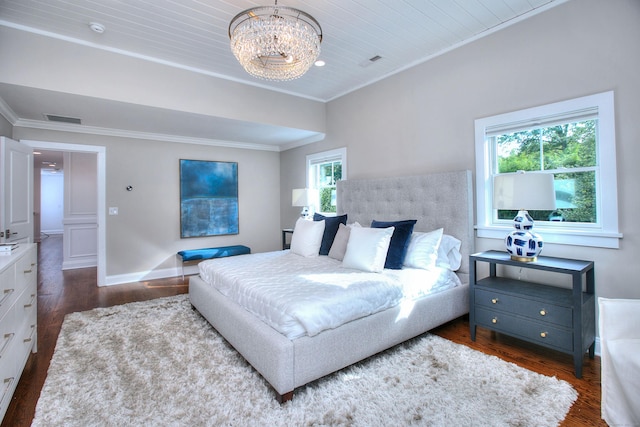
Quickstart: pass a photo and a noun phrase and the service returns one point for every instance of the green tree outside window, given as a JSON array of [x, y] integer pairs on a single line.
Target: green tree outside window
[[566, 150]]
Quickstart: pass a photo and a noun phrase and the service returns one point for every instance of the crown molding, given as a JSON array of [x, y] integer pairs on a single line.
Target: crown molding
[[120, 133], [309, 140], [7, 112]]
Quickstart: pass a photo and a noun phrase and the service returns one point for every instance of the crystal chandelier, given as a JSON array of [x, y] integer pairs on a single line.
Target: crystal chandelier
[[275, 42]]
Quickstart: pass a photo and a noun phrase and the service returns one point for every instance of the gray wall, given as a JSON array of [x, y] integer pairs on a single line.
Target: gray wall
[[422, 119], [145, 236]]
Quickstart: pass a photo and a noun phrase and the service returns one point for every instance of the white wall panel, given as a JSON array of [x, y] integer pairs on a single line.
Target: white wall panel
[[80, 246], [80, 239]]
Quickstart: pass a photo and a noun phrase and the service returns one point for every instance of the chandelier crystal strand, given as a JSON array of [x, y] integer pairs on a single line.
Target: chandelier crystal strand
[[275, 42]]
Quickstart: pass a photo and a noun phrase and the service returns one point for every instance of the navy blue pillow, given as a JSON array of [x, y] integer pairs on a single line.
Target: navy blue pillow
[[399, 241], [331, 224]]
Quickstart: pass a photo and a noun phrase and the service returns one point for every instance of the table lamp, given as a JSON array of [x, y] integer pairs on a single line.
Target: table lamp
[[304, 197], [521, 191]]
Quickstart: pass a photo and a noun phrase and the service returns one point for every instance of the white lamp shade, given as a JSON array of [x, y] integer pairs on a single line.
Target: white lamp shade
[[304, 197], [524, 191]]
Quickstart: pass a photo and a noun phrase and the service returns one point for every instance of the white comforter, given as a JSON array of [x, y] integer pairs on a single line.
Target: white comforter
[[303, 296]]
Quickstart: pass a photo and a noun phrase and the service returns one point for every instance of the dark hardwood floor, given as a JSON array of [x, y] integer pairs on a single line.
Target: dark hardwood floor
[[63, 292], [585, 411]]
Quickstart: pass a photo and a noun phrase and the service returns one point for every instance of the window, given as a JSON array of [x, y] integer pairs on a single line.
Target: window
[[575, 141], [324, 170]]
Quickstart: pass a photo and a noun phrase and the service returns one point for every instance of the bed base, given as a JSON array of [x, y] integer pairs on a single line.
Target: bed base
[[288, 364]]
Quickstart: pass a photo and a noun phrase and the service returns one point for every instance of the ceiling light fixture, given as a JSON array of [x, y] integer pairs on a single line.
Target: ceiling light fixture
[[275, 42]]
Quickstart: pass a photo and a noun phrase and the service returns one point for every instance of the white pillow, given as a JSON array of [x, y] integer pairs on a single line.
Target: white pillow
[[449, 253], [307, 237], [339, 246], [422, 251], [367, 248]]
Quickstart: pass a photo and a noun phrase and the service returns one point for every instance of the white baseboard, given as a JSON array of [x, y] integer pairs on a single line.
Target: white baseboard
[[150, 275], [80, 263], [50, 232]]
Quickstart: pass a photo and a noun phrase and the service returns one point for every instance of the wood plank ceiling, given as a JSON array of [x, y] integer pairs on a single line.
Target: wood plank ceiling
[[192, 34]]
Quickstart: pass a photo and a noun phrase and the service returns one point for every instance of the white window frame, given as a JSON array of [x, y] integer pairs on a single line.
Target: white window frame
[[604, 234], [325, 156]]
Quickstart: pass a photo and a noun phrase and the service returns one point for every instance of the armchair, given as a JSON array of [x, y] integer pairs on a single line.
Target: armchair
[[620, 359]]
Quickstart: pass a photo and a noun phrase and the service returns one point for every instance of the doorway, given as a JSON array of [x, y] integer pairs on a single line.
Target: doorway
[[48, 194], [101, 192]]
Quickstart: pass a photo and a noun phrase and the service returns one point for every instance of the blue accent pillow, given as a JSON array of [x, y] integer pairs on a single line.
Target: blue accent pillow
[[399, 241], [331, 224]]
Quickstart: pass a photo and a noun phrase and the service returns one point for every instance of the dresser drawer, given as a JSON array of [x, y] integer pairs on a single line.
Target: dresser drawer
[[27, 317], [540, 333], [26, 271], [8, 382], [26, 307], [8, 336], [25, 342], [8, 350], [541, 311], [8, 292]]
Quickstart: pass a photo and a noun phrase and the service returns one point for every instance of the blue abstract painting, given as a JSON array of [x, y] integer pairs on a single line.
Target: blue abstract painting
[[208, 198]]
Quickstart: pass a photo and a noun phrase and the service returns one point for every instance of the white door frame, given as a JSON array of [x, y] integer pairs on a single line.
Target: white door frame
[[101, 170]]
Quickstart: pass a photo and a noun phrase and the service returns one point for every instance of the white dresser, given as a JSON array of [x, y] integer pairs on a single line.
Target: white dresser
[[18, 316]]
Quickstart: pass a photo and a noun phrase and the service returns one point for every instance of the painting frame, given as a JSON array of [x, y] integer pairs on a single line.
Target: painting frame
[[208, 198]]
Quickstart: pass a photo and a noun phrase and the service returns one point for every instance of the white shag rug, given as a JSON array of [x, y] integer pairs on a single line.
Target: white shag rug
[[159, 363]]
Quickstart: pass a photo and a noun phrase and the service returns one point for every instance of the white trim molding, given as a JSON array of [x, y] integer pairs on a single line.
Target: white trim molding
[[603, 234]]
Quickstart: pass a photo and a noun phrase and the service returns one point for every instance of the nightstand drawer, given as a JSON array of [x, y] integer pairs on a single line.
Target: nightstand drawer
[[537, 332], [541, 311]]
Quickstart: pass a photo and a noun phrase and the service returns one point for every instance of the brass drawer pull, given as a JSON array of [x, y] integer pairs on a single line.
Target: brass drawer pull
[[7, 293], [7, 340], [8, 383], [543, 334], [30, 304], [543, 312], [30, 338], [494, 300]]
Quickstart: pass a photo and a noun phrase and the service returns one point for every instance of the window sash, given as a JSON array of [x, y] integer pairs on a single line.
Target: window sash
[[314, 163], [604, 234], [543, 122]]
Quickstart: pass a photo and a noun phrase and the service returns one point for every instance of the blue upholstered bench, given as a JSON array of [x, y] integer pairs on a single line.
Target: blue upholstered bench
[[209, 253]]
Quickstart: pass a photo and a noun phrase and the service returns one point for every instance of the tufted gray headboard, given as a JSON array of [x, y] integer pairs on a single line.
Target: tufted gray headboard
[[436, 200]]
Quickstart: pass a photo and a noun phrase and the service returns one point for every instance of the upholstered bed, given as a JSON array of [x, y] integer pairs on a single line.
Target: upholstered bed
[[439, 200]]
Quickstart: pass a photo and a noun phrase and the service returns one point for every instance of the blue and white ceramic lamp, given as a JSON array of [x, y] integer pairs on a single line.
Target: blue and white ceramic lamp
[[522, 191]]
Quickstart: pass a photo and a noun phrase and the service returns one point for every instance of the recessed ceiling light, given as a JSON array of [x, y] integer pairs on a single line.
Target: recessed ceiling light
[[96, 27], [319, 63]]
